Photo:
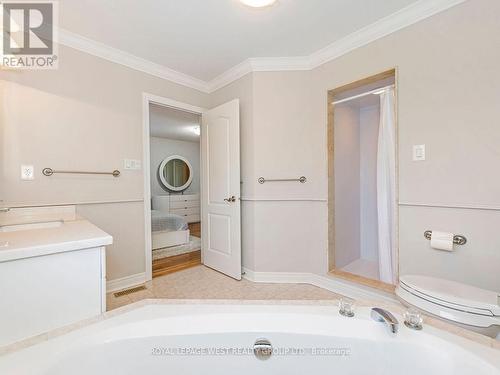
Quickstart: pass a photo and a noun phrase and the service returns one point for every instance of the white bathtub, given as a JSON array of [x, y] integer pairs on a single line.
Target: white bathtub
[[218, 339]]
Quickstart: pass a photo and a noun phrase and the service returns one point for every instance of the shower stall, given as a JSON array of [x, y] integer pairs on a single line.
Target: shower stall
[[363, 181]]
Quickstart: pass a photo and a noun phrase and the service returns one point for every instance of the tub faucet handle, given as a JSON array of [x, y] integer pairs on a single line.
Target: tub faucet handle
[[346, 307], [413, 319]]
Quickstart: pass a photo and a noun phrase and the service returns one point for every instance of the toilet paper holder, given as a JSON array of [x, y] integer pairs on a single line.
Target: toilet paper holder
[[457, 239]]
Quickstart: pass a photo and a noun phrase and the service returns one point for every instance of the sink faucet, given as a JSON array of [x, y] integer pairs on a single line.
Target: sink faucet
[[381, 315]]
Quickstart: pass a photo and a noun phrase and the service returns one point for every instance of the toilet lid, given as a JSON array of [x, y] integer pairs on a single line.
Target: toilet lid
[[453, 294]]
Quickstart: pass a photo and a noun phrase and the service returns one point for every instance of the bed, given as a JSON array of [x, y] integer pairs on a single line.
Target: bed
[[168, 230]]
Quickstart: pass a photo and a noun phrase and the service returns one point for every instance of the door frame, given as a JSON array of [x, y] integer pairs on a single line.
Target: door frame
[[148, 99], [393, 72]]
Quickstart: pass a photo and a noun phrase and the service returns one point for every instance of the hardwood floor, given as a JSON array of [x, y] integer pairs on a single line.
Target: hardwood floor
[[176, 263], [195, 229]]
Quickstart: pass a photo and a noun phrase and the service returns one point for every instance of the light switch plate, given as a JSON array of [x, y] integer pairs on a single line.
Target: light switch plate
[[418, 152], [27, 172], [132, 164]]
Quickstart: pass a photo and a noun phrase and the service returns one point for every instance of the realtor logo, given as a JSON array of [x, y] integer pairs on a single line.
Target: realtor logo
[[29, 33]]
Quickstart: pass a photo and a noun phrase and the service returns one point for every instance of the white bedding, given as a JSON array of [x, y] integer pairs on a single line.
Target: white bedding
[[165, 222]]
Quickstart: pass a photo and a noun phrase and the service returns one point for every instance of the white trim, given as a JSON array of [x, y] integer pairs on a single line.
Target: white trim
[[117, 56], [146, 100], [405, 17], [327, 282], [263, 199], [146, 162], [77, 203], [260, 64], [125, 282], [167, 102], [461, 206]]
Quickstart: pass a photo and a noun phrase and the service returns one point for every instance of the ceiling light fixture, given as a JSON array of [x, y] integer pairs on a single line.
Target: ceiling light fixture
[[258, 3]]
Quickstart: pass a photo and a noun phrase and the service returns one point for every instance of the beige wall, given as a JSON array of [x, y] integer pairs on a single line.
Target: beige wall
[[276, 143], [87, 115], [347, 185], [448, 89], [369, 119], [448, 86], [290, 234]]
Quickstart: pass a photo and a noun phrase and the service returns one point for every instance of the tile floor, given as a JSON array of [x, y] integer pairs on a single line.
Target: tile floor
[[363, 267], [204, 283]]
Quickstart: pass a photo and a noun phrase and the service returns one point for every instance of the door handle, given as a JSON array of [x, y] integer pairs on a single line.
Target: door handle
[[230, 199]]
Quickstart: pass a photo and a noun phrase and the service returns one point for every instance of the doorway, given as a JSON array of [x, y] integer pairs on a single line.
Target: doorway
[[192, 207], [171, 185], [363, 181], [175, 189]]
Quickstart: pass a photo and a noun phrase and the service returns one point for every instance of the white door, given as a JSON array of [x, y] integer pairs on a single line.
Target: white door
[[220, 189]]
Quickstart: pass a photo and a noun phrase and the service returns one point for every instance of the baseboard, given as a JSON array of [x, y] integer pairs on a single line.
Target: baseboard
[[327, 282], [125, 282]]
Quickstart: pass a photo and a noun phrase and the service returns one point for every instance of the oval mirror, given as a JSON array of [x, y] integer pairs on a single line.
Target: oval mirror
[[176, 173]]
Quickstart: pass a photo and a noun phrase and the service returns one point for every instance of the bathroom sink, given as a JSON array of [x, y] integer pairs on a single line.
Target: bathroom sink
[[29, 226]]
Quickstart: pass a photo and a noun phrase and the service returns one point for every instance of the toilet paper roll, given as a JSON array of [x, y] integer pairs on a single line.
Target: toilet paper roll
[[442, 240]]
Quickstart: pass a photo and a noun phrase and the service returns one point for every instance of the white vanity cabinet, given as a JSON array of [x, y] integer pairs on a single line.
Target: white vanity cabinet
[[50, 277]]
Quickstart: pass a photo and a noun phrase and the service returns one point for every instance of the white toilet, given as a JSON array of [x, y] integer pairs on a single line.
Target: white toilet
[[470, 307]]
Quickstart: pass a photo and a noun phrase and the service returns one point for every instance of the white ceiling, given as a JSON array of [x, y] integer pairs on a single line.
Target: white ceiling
[[171, 123], [204, 38]]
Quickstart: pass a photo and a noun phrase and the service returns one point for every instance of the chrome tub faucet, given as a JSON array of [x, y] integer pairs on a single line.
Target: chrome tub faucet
[[384, 316]]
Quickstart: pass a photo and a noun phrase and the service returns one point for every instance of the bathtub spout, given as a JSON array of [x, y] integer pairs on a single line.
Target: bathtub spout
[[381, 315]]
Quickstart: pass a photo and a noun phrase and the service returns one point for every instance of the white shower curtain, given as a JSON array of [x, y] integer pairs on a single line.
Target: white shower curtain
[[386, 188]]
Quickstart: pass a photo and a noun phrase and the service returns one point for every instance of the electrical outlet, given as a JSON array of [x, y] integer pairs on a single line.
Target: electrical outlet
[[27, 172]]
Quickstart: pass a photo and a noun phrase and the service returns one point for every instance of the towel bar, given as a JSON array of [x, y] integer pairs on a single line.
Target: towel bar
[[301, 179], [50, 172]]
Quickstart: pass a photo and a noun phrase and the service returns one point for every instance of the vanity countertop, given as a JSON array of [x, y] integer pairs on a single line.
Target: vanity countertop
[[69, 236]]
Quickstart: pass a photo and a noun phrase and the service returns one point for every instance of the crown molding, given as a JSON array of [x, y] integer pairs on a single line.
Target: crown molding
[[117, 56], [405, 17], [259, 64]]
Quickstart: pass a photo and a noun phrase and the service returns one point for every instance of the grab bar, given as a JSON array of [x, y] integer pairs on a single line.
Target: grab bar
[[457, 239], [50, 172], [301, 179]]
